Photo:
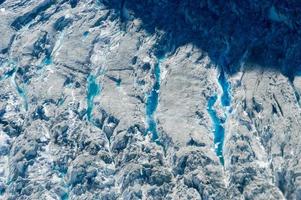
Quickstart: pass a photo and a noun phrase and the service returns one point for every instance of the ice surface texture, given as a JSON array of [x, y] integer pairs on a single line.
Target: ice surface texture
[[156, 99]]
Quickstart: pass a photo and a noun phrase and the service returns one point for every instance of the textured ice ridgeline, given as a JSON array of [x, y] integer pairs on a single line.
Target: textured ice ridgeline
[[87, 135]]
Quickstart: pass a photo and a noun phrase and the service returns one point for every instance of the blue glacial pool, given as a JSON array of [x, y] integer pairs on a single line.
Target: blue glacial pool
[[93, 89], [152, 102], [218, 123], [218, 129]]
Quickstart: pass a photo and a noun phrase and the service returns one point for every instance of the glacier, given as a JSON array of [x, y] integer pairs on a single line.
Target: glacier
[[157, 99]]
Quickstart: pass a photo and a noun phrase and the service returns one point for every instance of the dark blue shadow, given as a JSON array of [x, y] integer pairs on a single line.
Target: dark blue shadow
[[243, 29]]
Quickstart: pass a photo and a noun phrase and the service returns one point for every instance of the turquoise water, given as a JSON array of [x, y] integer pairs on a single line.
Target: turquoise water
[[218, 123], [65, 196], [44, 63], [152, 102], [93, 89], [218, 129], [86, 34], [47, 61]]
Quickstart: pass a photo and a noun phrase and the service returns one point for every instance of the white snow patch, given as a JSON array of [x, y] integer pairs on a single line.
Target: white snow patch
[[163, 74], [262, 164]]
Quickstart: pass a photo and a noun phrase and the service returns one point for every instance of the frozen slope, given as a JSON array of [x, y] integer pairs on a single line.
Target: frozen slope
[[158, 99]]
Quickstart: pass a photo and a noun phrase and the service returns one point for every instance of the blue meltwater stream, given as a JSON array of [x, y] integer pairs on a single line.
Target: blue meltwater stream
[[152, 102], [218, 123]]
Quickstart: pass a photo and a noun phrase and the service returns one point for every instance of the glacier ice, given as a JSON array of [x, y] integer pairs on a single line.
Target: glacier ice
[[161, 99]]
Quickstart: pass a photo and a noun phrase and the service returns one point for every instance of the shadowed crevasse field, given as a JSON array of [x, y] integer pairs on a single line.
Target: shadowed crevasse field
[[265, 34]]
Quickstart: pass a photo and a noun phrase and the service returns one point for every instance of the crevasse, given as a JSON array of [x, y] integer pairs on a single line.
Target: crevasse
[[218, 122], [153, 100]]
